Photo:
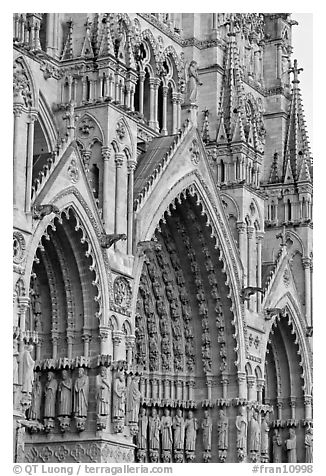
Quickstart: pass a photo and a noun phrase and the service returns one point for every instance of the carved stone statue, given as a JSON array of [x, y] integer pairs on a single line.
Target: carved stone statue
[[133, 400], [15, 363], [308, 443], [191, 432], [142, 429], [65, 400], [166, 429], [193, 82], [207, 426], [254, 434], [28, 369], [119, 397], [179, 430], [291, 446], [264, 449], [102, 392], [34, 412], [241, 425], [50, 396], [223, 427], [81, 389], [154, 430], [277, 447]]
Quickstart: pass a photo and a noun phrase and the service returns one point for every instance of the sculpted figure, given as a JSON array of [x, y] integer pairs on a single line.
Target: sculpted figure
[[34, 412], [241, 425], [166, 429], [28, 369], [277, 447], [179, 430], [308, 441], [154, 430], [103, 392], [81, 389], [193, 82], [191, 432], [291, 446], [264, 435], [223, 426], [254, 433], [119, 396], [65, 388], [50, 396], [206, 426], [142, 429], [133, 400]]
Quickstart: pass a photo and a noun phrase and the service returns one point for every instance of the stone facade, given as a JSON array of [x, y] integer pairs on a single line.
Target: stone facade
[[162, 240]]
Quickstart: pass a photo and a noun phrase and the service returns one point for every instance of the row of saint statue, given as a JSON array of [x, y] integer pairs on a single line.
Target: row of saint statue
[[167, 433], [66, 397]]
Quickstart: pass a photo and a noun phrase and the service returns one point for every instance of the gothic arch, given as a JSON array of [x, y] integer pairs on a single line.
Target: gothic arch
[[99, 134], [296, 321], [219, 233], [85, 220]]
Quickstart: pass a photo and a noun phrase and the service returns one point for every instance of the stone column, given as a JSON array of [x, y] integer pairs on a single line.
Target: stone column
[[104, 340], [251, 383], [127, 96], [292, 406], [191, 385], [307, 287], [156, 86], [29, 162], [70, 339], [54, 338], [154, 388], [241, 227], [100, 95], [141, 92], [117, 339], [251, 264], [242, 385], [50, 33], [307, 407], [178, 112], [225, 383], [164, 130], [279, 406], [259, 241], [209, 388], [23, 305], [130, 204], [279, 61], [178, 386], [107, 195], [130, 344], [86, 337], [260, 386], [132, 97], [18, 109], [119, 199], [174, 114]]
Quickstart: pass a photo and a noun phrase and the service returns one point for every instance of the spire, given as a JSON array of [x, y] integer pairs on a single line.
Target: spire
[[274, 178], [106, 45], [130, 59], [67, 50], [87, 49], [221, 137], [296, 143], [231, 106]]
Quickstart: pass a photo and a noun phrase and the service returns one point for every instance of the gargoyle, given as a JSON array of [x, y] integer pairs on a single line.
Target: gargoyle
[[249, 291], [40, 211], [272, 312], [108, 240]]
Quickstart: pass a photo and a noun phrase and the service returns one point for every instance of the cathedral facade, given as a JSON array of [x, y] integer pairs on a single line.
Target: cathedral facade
[[162, 240]]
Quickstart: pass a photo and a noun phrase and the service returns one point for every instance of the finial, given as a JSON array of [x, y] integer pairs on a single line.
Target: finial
[[296, 71]]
